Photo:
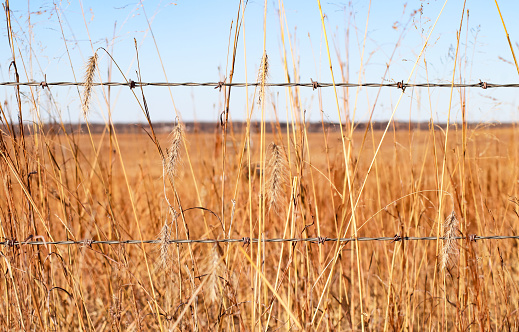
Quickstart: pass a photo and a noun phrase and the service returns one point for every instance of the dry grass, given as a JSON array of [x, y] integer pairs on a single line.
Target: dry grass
[[59, 185], [82, 287]]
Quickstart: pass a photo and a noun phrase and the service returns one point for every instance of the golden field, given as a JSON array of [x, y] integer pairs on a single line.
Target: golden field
[[114, 187]]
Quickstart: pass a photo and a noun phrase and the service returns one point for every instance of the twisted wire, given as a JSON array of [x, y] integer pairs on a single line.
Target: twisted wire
[[314, 84], [245, 240]]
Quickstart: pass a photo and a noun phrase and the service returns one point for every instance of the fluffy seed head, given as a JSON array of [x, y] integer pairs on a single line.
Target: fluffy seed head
[[89, 79], [449, 248], [263, 74], [277, 177], [215, 269], [174, 155], [165, 237]]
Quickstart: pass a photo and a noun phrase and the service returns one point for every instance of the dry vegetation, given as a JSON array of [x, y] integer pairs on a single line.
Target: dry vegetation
[[448, 182], [73, 192]]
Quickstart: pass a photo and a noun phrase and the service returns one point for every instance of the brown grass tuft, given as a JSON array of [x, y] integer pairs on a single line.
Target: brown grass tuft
[[277, 177], [449, 248], [174, 156], [116, 311], [89, 79]]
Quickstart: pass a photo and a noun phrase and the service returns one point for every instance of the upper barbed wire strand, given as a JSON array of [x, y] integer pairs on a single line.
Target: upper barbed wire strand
[[132, 84]]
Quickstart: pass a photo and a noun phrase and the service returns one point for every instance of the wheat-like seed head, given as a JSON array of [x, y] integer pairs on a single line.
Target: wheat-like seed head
[[89, 79], [174, 156], [449, 248], [165, 237], [214, 268], [277, 177], [263, 74]]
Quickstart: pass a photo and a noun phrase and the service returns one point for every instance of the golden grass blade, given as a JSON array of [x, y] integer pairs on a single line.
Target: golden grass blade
[[272, 289]]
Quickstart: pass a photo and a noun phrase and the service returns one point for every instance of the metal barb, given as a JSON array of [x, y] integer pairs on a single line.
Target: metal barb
[[396, 238], [315, 84], [401, 85]]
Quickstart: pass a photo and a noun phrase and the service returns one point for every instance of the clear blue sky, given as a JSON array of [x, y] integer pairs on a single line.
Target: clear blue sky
[[193, 39]]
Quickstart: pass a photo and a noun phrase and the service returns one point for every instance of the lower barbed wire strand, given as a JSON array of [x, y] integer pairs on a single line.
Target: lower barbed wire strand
[[11, 243]]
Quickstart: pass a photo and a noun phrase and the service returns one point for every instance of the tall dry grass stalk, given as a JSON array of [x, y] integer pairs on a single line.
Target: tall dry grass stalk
[[89, 79], [277, 178], [174, 153], [449, 248]]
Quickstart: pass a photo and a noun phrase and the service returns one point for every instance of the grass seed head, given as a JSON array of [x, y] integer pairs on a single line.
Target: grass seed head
[[215, 269], [449, 248], [89, 79], [277, 177], [165, 237], [174, 155], [263, 74]]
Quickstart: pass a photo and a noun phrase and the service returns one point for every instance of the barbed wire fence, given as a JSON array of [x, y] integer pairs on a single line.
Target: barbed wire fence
[[313, 84], [246, 240]]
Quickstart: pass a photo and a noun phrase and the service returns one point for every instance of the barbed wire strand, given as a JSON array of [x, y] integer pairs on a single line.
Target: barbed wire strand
[[314, 84], [245, 240]]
